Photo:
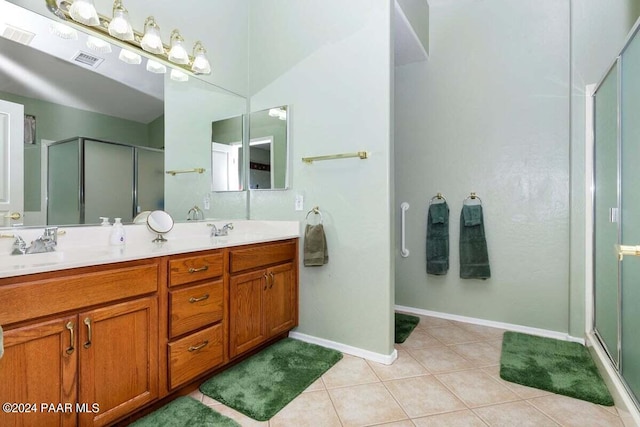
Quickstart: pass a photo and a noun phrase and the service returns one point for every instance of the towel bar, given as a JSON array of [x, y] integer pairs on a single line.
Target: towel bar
[[404, 251]]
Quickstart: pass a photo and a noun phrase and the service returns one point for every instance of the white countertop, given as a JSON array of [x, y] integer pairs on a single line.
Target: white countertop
[[87, 246]]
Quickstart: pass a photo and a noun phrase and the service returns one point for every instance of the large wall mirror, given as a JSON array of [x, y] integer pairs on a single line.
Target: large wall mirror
[[71, 92]]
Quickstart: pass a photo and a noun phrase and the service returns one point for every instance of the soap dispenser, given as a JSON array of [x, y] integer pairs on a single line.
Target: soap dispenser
[[117, 233], [105, 221]]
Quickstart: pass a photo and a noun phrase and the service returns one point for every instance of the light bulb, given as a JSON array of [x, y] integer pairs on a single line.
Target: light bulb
[[63, 31], [98, 45], [179, 76], [151, 41], [84, 12], [120, 27], [155, 67], [129, 57], [200, 64], [178, 53]]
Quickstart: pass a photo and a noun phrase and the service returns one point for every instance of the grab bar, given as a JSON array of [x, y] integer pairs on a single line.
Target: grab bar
[[403, 208]]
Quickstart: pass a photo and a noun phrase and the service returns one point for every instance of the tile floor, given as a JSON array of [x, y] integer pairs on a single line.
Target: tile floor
[[446, 374]]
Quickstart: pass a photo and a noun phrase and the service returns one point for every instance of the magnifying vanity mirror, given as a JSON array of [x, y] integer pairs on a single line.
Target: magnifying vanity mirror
[[68, 91], [161, 223]]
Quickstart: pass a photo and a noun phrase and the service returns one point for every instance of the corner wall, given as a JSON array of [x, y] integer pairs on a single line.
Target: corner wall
[[489, 113], [330, 62]]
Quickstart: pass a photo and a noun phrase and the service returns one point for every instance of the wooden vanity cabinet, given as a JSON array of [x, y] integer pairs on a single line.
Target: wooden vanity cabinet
[[90, 366], [196, 332], [263, 294]]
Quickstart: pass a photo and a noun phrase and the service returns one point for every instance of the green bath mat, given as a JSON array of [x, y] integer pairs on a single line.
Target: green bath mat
[[558, 366], [404, 326], [185, 412], [263, 384]]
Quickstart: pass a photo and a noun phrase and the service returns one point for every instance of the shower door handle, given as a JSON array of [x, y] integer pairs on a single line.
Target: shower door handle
[[630, 250], [403, 251]]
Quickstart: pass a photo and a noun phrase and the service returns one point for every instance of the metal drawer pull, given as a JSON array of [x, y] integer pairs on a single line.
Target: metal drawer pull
[[202, 298], [271, 274], [266, 281], [71, 348], [196, 270], [198, 347], [87, 322]]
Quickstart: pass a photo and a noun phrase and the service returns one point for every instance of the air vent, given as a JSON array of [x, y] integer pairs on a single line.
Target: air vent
[[88, 59], [17, 34]]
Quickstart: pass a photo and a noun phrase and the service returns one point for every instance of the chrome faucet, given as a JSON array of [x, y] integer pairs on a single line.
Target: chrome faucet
[[45, 243], [195, 214], [224, 231]]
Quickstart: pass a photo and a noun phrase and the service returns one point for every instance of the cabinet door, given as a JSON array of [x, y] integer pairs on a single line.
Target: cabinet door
[[118, 359], [246, 311], [39, 368], [281, 299]]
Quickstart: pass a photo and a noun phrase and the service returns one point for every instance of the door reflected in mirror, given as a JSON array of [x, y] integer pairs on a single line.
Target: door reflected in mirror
[[269, 149], [227, 173]]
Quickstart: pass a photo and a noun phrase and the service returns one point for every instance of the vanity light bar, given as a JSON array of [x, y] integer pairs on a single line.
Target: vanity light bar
[[102, 30]]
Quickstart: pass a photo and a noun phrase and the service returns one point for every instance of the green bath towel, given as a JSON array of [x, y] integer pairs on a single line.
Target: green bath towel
[[474, 256], [438, 239]]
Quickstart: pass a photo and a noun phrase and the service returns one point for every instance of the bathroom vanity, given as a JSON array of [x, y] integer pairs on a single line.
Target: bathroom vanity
[[90, 342]]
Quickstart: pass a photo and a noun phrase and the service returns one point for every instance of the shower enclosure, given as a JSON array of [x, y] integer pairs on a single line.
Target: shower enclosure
[[616, 214], [88, 178]]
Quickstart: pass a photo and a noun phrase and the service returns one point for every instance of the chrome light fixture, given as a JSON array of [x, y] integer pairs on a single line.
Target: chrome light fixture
[[84, 12], [178, 75], [118, 30], [151, 41], [200, 64], [178, 53], [120, 27]]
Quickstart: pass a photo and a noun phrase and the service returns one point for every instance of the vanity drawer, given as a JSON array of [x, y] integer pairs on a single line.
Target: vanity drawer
[[194, 355], [197, 267], [261, 255], [194, 307], [38, 295]]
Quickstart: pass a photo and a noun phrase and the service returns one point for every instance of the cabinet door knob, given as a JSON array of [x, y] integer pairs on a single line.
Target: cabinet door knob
[[71, 348], [87, 322]]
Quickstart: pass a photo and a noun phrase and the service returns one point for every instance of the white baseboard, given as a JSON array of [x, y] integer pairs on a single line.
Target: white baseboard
[[386, 359], [626, 407], [490, 323]]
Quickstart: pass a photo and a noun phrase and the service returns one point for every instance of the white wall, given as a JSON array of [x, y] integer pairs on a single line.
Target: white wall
[[489, 113], [331, 62]]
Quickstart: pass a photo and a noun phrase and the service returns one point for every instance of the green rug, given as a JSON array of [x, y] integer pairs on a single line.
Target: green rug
[[263, 384], [558, 366], [185, 412], [404, 326]]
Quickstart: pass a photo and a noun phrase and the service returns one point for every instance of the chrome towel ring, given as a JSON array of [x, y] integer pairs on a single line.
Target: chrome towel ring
[[316, 211]]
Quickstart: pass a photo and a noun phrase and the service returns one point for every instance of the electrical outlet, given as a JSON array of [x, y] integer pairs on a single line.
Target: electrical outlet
[[299, 204]]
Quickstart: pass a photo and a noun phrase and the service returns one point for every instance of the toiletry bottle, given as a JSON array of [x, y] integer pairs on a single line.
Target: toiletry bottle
[[117, 233], [105, 221]]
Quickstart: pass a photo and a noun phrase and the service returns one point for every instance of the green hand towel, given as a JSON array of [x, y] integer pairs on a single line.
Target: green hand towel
[[315, 246], [438, 239], [474, 256]]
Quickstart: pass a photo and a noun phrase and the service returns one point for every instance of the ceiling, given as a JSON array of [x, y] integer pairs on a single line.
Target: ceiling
[[46, 70]]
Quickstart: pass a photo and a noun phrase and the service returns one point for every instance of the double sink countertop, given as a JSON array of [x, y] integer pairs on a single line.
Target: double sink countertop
[[89, 245]]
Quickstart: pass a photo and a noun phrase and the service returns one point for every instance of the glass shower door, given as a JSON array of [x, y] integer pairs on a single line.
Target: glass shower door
[[605, 265], [630, 218]]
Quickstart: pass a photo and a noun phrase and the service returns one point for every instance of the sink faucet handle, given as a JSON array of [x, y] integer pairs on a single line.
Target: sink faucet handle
[[51, 234], [19, 246]]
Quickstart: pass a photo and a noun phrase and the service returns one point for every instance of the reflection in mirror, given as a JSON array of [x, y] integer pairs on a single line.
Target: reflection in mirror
[[161, 223], [103, 101], [268, 149], [226, 154]]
